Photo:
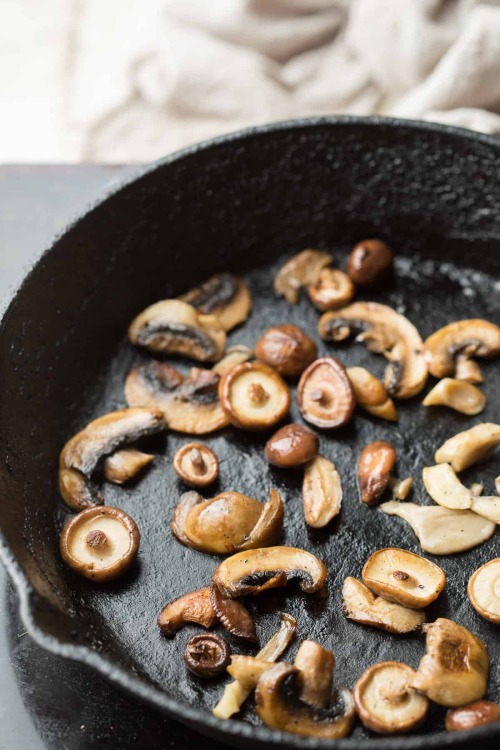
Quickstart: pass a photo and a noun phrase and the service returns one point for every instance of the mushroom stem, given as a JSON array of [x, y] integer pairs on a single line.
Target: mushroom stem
[[197, 461], [96, 539], [400, 575], [257, 394]]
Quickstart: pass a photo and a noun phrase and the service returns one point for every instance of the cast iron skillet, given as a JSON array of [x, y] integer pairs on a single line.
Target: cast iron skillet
[[242, 203]]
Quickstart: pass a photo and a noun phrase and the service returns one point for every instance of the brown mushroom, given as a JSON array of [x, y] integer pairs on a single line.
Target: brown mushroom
[[193, 607], [450, 350], [456, 394], [470, 447], [100, 438], [224, 295], [316, 665], [233, 615], [287, 349], [371, 395], [292, 445], [484, 590], [100, 543], [477, 714], [247, 670], [253, 396], [360, 605], [325, 394], [235, 355], [207, 655], [403, 577], [301, 270], [385, 332], [375, 465], [196, 464], [124, 465], [370, 263], [333, 290], [321, 492]]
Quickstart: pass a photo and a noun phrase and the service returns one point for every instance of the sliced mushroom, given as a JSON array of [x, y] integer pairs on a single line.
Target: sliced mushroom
[[100, 438], [403, 577], [321, 492], [124, 465], [316, 665], [385, 332], [247, 670], [224, 295], [370, 263], [484, 590], [375, 465], [442, 531], [292, 445], [457, 394], [454, 670], [325, 394], [196, 464], [301, 270], [385, 700], [193, 607], [254, 396], [465, 339], [447, 490], [362, 606], [333, 290], [287, 349], [207, 655], [371, 395], [470, 447], [233, 615], [190, 405], [235, 355], [100, 543], [474, 715]]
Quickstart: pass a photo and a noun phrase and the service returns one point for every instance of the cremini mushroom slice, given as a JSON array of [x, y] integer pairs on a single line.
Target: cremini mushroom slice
[[360, 605], [325, 394], [254, 396], [301, 270], [247, 670], [371, 394], [233, 615], [333, 290], [457, 394], [385, 332], [192, 607], [190, 405], [385, 700], [316, 665], [454, 670], [477, 714], [124, 465], [196, 465], [448, 351], [403, 577], [235, 355], [470, 447], [370, 263], [442, 531], [321, 492], [484, 590], [227, 522], [375, 466], [207, 655], [224, 295], [174, 327], [447, 490], [100, 438], [292, 445], [100, 543], [287, 349]]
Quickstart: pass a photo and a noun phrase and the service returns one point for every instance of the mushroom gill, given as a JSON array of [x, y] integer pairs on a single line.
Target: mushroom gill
[[224, 295]]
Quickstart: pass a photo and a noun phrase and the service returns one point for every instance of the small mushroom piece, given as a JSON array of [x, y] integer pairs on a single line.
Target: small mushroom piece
[[292, 445], [454, 669], [207, 655], [248, 670], [321, 492], [465, 339], [385, 332], [457, 394], [333, 290], [124, 465], [193, 607], [385, 700], [442, 531], [325, 394], [233, 615], [196, 465], [371, 395], [370, 263], [470, 447], [235, 355], [403, 577], [224, 295], [474, 715], [360, 605], [316, 665], [253, 396], [484, 590], [375, 465], [301, 270], [447, 490], [286, 349], [100, 543]]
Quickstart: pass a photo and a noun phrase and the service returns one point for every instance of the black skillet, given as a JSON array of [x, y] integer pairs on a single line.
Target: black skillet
[[242, 203]]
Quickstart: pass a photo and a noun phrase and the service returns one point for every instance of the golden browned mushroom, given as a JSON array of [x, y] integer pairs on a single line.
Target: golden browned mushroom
[[193, 607], [247, 670], [287, 349], [100, 438], [484, 590], [360, 605], [233, 615], [385, 332], [292, 445], [447, 490], [100, 543], [474, 715], [370, 263], [224, 295], [196, 464], [454, 670], [470, 447], [371, 395], [333, 290], [321, 492], [403, 577], [190, 405], [385, 700], [207, 655], [316, 665], [450, 350], [457, 394], [375, 465], [124, 465], [325, 394], [301, 270], [235, 355], [254, 396]]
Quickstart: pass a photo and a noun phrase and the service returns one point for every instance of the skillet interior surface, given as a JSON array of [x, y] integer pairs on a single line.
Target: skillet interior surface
[[243, 204]]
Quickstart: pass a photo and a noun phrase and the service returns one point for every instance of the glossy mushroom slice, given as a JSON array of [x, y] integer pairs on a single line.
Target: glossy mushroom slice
[[190, 405], [450, 350], [325, 394], [360, 605], [470, 447], [316, 665], [174, 327], [484, 590], [287, 349], [124, 465], [476, 714], [403, 577], [248, 670], [100, 543], [385, 332], [195, 607], [333, 290], [375, 466], [371, 395], [454, 670], [100, 438], [253, 396], [447, 490], [291, 446], [456, 394], [321, 492], [301, 270], [207, 655], [224, 295], [233, 615], [235, 355], [196, 465]]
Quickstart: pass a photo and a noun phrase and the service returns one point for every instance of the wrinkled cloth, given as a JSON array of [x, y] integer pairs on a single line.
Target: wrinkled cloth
[[148, 78]]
